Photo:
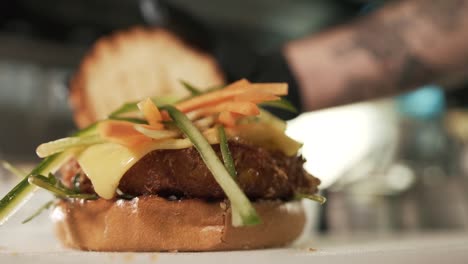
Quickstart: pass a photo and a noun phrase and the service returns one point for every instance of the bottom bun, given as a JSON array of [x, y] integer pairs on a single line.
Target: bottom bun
[[150, 223]]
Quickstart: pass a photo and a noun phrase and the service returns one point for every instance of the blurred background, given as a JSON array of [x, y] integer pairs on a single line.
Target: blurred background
[[391, 165]]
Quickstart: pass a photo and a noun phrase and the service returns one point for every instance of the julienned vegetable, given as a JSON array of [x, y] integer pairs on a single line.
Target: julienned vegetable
[[57, 146], [23, 190], [50, 184], [242, 210], [132, 107], [20, 194]]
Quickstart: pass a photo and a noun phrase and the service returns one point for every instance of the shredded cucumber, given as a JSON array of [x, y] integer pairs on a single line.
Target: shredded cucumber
[[23, 190], [14, 199], [243, 213], [56, 146]]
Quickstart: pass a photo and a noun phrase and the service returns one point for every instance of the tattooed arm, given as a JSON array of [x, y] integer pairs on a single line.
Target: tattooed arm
[[404, 45]]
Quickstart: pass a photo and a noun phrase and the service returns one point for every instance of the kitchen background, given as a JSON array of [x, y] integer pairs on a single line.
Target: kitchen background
[[395, 164]]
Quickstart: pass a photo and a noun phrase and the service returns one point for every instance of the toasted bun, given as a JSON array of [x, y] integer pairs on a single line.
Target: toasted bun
[[151, 223], [134, 64]]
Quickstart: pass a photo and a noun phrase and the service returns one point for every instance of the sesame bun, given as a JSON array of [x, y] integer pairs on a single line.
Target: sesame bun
[[134, 64], [151, 223]]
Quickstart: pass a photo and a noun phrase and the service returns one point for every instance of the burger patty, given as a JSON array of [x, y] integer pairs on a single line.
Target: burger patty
[[261, 173]]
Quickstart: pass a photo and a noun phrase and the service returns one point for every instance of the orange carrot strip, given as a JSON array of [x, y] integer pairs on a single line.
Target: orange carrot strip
[[219, 96], [122, 132], [243, 108], [256, 97], [274, 88], [240, 84], [115, 128], [236, 115], [226, 118], [150, 111]]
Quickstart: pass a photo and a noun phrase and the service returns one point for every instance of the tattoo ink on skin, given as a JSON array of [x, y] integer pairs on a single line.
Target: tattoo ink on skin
[[385, 43]]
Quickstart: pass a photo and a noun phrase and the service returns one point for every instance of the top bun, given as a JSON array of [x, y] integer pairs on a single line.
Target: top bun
[[130, 65]]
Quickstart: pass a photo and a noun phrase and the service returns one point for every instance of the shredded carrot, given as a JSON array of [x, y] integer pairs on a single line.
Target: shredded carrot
[[121, 132], [216, 97], [116, 128], [227, 118], [150, 112], [274, 88], [240, 84], [256, 97]]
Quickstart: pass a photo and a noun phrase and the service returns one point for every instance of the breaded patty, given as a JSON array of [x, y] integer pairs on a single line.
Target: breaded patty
[[261, 174]]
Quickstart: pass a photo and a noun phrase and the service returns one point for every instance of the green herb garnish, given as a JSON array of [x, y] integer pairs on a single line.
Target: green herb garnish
[[243, 212], [226, 153], [50, 184], [39, 211], [192, 89]]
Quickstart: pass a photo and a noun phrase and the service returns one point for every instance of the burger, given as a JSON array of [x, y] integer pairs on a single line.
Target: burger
[[185, 167]]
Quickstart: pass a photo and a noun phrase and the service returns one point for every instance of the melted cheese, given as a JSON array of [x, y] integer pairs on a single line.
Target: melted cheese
[[105, 164]]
